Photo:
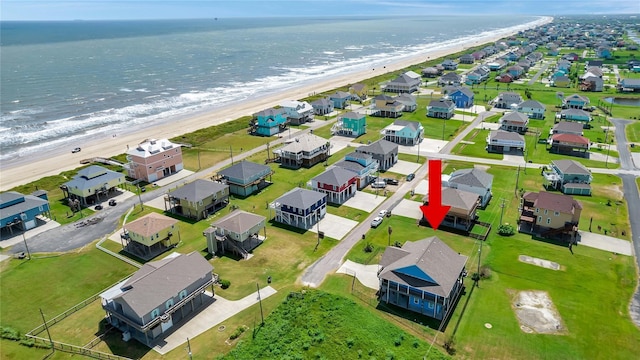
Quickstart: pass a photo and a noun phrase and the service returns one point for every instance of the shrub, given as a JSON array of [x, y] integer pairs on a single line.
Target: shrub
[[368, 248], [449, 345], [506, 230], [10, 333], [359, 354], [224, 283], [237, 333], [485, 272], [350, 342], [390, 355], [306, 346]]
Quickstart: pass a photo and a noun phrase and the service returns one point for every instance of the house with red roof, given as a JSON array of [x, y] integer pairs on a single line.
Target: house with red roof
[[570, 144]]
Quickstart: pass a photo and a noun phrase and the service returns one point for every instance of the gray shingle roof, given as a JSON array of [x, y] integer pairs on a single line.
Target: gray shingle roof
[[150, 224], [414, 125], [531, 104], [300, 198], [568, 126], [270, 112], [350, 165], [381, 147], [197, 190], [571, 167], [505, 135], [93, 176], [472, 177], [458, 199], [335, 176], [515, 117], [238, 221], [436, 264], [244, 170], [158, 281], [29, 202]]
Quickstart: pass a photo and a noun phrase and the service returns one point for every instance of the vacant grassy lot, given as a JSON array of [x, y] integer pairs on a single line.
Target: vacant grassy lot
[[474, 145], [315, 324], [633, 132]]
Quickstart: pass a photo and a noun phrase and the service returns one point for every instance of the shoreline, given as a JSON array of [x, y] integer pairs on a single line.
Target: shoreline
[[54, 161]]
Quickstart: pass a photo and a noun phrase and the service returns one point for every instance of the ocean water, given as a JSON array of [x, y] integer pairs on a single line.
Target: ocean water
[[68, 81]]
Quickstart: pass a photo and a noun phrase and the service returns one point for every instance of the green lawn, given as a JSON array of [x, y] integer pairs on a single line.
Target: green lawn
[[475, 144], [316, 324], [633, 132]]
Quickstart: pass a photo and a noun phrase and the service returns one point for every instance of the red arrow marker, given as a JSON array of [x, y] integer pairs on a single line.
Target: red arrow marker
[[435, 212]]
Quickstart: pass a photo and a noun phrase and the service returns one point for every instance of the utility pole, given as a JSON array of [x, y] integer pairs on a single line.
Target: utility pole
[[24, 238], [501, 210], [47, 328], [389, 231], [517, 179], [140, 197], [189, 348], [231, 153], [260, 300], [479, 257]]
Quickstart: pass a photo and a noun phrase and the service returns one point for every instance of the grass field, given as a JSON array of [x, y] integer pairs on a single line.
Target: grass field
[[633, 132]]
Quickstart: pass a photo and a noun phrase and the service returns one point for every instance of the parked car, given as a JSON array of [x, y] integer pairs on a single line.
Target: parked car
[[143, 189], [383, 213], [75, 150], [98, 207], [378, 184], [391, 181], [376, 222], [411, 176], [112, 202]]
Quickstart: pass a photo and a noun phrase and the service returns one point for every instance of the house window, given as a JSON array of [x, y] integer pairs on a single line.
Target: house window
[[430, 305], [548, 221], [416, 301], [183, 294], [537, 210], [539, 219], [168, 304], [155, 313], [555, 213], [545, 211]]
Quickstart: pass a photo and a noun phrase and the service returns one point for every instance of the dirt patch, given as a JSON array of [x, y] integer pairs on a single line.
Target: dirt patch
[[539, 262], [615, 190], [536, 313], [482, 167]]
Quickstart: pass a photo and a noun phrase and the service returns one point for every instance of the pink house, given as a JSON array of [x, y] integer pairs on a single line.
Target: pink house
[[154, 159]]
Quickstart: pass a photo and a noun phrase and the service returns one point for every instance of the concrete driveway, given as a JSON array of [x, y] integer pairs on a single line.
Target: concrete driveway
[[606, 243], [422, 187], [404, 167], [364, 201], [408, 208], [366, 274], [335, 227], [218, 310], [427, 145]]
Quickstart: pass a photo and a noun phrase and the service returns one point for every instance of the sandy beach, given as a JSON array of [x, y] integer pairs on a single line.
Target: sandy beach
[[61, 159]]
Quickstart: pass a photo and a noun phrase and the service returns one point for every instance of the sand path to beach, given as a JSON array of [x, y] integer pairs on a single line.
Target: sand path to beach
[[53, 162]]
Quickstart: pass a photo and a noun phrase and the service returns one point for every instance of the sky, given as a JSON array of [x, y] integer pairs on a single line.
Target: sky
[[176, 9]]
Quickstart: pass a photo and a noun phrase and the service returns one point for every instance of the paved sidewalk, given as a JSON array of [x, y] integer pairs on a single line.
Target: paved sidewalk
[[216, 312], [606, 243]]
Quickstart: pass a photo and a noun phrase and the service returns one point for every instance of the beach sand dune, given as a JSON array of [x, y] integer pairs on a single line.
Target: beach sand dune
[[53, 162]]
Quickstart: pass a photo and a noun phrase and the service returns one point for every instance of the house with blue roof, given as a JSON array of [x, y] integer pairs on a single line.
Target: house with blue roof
[[246, 177], [300, 208], [269, 122], [424, 276]]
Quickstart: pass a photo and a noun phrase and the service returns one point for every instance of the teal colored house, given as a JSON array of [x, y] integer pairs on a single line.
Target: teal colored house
[[441, 108], [575, 115], [363, 165], [568, 176], [603, 52], [424, 276], [404, 132], [575, 101], [340, 99], [269, 122], [350, 124]]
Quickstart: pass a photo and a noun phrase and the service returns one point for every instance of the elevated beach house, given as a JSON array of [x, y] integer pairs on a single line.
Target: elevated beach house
[[340, 99], [532, 108], [297, 112], [21, 212], [514, 121], [304, 151], [568, 176], [268, 122], [154, 159], [575, 101], [383, 151], [150, 235], [300, 208], [386, 106], [424, 276], [500, 141], [549, 215], [404, 132], [578, 115], [451, 78], [409, 101], [569, 144], [337, 183], [449, 64], [237, 232], [363, 165], [462, 96], [92, 185], [158, 297], [472, 180], [198, 199], [462, 214], [404, 83], [246, 177], [442, 108], [350, 124], [322, 106], [359, 91], [508, 100]]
